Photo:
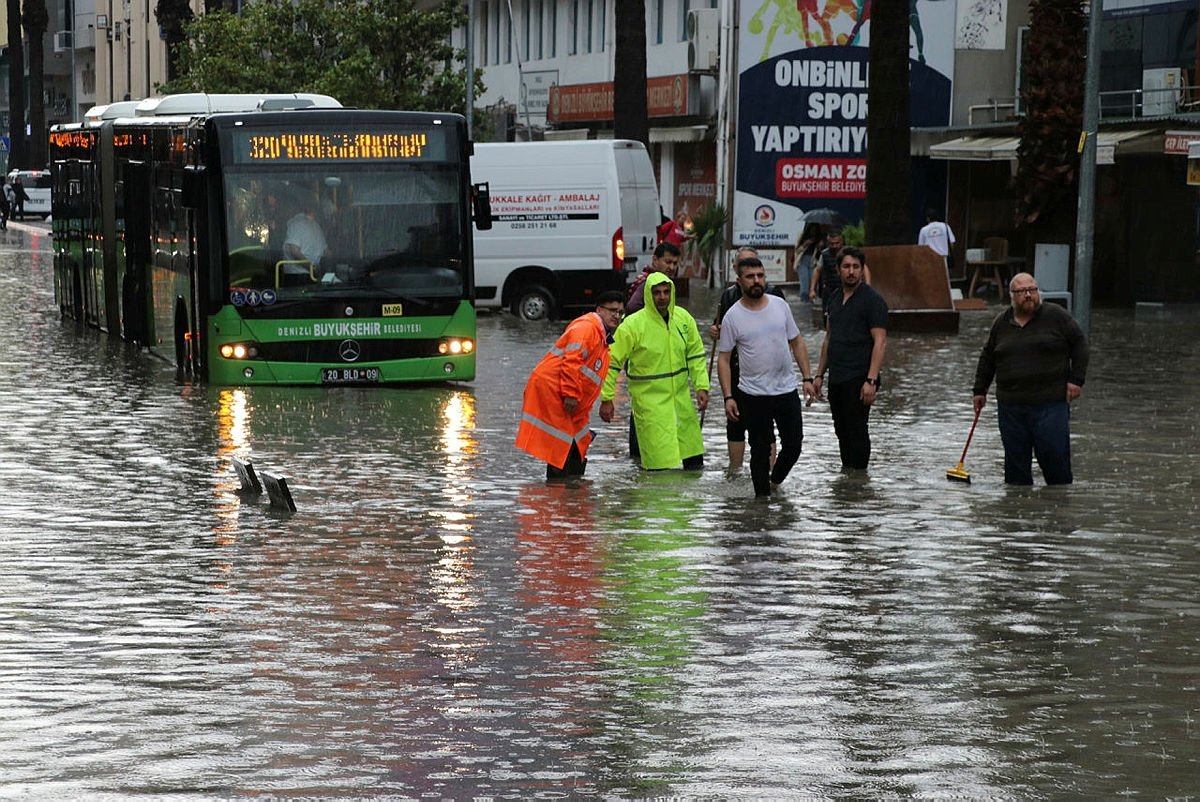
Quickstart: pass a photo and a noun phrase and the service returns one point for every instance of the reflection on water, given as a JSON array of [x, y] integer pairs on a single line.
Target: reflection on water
[[435, 620]]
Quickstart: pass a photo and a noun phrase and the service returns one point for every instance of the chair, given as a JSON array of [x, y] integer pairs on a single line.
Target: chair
[[991, 269], [1050, 265]]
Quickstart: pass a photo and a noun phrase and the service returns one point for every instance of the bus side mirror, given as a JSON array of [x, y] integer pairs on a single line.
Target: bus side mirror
[[481, 202], [193, 187]]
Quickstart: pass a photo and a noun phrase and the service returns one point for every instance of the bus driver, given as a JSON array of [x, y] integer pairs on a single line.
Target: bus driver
[[305, 241]]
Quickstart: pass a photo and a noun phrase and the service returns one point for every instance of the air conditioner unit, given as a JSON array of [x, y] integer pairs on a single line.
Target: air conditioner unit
[[702, 28], [62, 41], [1161, 91]]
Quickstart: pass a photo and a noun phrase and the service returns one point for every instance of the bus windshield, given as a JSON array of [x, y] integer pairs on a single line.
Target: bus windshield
[[346, 230]]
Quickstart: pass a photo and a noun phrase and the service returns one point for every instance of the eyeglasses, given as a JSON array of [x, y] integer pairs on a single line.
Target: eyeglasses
[[1025, 291], [618, 311]]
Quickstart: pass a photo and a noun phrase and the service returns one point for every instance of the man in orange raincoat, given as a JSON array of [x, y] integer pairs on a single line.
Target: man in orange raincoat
[[563, 387]]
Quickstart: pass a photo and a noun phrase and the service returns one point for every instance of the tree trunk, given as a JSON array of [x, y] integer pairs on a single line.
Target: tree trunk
[[888, 171], [631, 119], [36, 20], [173, 16], [16, 87]]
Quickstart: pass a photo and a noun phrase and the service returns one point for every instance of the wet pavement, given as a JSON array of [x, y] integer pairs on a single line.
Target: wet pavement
[[436, 621]]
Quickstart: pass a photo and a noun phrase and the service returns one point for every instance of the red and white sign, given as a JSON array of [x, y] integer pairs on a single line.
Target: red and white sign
[[821, 178], [666, 96], [1176, 142], [524, 207]]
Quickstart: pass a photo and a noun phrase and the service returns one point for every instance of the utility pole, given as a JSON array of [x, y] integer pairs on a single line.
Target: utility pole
[[1085, 220], [128, 54]]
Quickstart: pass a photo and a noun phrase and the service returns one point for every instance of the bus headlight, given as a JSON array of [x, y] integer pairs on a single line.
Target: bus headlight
[[239, 350], [456, 346]]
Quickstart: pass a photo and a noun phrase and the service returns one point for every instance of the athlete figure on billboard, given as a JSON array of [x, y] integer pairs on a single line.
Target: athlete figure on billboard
[[914, 22]]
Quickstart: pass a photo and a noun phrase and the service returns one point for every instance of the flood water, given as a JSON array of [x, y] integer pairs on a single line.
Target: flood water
[[435, 621]]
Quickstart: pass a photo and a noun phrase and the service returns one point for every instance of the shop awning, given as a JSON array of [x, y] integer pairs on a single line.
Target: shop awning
[[682, 133], [1004, 148], [976, 149]]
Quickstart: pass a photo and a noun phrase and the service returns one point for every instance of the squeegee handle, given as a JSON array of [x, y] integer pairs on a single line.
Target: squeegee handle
[[971, 434]]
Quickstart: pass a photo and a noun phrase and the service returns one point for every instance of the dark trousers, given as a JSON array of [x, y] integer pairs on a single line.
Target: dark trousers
[[1041, 430], [850, 416], [574, 466], [764, 413]]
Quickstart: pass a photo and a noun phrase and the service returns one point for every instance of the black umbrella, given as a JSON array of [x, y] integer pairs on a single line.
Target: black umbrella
[[825, 217]]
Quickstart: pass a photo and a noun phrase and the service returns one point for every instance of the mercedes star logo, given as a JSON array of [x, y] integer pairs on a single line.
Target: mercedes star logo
[[349, 350]]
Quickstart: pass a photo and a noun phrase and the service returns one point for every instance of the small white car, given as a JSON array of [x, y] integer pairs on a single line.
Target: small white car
[[37, 187]]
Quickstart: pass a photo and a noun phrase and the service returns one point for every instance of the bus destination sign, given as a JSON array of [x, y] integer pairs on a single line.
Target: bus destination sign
[[258, 147]]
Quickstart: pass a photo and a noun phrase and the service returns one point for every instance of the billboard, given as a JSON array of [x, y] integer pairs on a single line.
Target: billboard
[[802, 107]]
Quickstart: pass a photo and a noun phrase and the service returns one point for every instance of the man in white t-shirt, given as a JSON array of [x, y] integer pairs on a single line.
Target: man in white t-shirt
[[305, 241], [936, 234], [763, 330]]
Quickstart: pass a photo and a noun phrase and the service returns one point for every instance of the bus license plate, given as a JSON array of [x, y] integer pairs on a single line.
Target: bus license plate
[[349, 375]]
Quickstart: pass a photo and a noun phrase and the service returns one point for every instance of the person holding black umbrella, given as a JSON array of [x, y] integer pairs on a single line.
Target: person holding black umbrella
[[812, 242], [825, 279]]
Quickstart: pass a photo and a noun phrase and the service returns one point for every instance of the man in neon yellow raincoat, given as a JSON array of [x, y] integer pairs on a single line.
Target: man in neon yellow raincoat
[[659, 348]]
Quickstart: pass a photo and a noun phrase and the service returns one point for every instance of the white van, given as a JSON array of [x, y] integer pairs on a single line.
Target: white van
[[569, 221], [37, 187]]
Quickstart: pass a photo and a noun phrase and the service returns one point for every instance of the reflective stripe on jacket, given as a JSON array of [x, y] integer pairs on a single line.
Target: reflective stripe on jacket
[[574, 368]]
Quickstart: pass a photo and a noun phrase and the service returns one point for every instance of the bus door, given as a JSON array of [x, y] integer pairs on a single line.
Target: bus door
[[83, 215], [69, 242], [135, 291]]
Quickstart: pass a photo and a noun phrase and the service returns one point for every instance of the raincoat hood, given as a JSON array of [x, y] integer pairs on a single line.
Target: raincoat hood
[[653, 280]]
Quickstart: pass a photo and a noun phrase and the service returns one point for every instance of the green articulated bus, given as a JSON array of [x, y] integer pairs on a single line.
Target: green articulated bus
[[271, 239]]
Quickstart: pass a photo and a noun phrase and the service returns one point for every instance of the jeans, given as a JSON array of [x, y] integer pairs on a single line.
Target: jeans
[[762, 414], [804, 272], [850, 416], [1041, 430]]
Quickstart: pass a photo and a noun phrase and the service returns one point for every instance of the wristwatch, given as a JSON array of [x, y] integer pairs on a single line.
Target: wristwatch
[[872, 382]]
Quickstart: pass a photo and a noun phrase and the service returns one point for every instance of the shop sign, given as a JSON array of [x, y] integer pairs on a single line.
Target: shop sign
[[666, 96]]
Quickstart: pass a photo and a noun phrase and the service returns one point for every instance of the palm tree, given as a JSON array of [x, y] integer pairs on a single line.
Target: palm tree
[[16, 86], [1047, 167], [173, 16], [888, 171], [35, 20]]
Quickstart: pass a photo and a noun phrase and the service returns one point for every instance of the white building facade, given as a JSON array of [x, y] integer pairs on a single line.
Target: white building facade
[[548, 70]]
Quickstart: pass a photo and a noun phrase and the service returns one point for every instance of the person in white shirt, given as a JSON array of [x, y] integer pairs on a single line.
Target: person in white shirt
[[936, 234], [305, 241], [764, 332]]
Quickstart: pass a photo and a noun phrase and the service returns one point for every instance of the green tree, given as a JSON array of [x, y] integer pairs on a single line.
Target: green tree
[[1047, 166], [366, 53], [35, 20], [888, 132]]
